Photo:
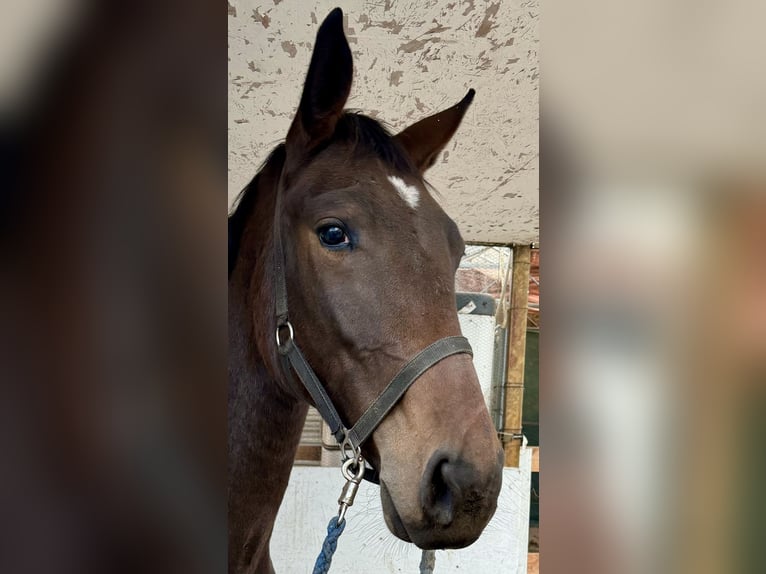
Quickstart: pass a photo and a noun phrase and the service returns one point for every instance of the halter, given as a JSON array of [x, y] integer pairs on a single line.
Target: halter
[[349, 439]]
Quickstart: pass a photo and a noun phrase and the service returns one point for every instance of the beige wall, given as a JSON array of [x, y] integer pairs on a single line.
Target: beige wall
[[411, 58]]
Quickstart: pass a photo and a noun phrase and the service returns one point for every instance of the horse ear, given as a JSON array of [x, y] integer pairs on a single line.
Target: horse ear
[[326, 89], [425, 139]]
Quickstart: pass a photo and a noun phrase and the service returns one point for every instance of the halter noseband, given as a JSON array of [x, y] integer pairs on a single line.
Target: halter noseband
[[353, 438]]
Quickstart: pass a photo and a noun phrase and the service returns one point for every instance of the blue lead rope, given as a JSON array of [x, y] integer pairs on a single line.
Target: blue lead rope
[[324, 560], [427, 562], [335, 529]]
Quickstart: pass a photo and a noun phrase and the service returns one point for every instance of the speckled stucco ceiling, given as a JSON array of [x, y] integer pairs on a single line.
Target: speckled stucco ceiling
[[411, 59]]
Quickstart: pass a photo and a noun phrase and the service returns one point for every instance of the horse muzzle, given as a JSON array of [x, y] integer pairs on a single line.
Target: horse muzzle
[[456, 503]]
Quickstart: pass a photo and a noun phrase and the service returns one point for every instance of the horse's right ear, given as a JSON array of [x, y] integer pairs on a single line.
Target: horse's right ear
[[425, 139], [327, 86]]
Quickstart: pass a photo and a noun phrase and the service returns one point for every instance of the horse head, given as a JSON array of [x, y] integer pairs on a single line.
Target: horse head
[[370, 261]]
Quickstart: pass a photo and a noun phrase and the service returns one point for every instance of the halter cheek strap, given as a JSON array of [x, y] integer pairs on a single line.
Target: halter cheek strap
[[406, 376], [292, 356]]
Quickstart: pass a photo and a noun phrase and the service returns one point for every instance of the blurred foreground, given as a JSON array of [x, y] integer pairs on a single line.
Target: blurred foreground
[[112, 293], [653, 352]]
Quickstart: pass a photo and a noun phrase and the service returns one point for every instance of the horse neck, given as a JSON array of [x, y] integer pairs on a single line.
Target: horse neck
[[265, 421]]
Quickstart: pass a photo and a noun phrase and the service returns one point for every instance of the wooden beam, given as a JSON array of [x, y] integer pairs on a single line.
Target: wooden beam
[[516, 351], [308, 453], [533, 563], [535, 459]]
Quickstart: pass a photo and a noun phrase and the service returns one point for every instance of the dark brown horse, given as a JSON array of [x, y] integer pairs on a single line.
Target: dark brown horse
[[370, 260]]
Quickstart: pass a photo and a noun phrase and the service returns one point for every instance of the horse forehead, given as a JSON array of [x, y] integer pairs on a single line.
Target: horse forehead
[[368, 182], [407, 191]]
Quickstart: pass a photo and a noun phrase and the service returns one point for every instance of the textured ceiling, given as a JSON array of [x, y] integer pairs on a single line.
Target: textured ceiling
[[411, 59]]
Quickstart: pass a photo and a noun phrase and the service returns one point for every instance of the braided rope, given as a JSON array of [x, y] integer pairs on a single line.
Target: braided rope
[[324, 560], [330, 545], [428, 562]]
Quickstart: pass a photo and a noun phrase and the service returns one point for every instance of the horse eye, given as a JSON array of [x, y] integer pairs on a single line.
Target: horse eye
[[333, 236]]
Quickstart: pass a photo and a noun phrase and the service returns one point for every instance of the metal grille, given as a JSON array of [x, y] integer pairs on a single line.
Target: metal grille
[[484, 269]]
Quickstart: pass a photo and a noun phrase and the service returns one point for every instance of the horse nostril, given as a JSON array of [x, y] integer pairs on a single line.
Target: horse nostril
[[438, 491]]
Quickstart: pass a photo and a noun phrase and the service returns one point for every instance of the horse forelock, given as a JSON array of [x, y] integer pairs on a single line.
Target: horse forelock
[[369, 136]]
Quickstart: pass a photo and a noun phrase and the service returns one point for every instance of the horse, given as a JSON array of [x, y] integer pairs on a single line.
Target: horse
[[369, 263]]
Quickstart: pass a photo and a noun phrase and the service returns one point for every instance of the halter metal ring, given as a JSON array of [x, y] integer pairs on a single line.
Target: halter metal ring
[[355, 474], [290, 331], [348, 451]]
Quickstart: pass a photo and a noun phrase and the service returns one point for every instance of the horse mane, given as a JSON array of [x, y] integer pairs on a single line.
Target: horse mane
[[245, 202], [366, 136]]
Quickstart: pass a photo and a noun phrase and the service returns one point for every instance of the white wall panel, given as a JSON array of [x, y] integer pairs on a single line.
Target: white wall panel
[[367, 546], [412, 58]]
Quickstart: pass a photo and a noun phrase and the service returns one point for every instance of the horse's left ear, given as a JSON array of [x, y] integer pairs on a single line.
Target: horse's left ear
[[426, 138], [325, 91]]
